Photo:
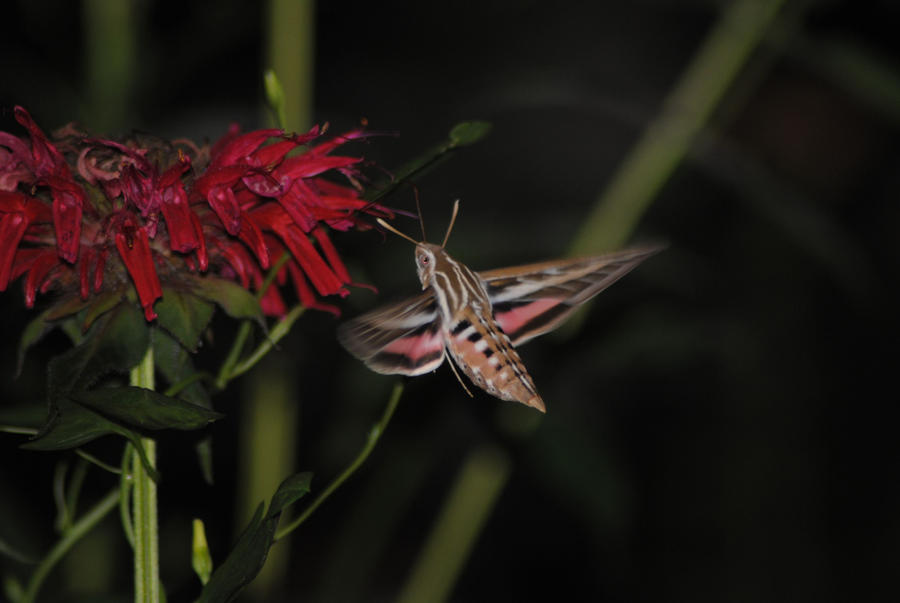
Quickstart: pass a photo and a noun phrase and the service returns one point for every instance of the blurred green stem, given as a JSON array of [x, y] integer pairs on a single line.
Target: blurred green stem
[[110, 36], [144, 506], [458, 526], [374, 435], [70, 537], [741, 27], [291, 55]]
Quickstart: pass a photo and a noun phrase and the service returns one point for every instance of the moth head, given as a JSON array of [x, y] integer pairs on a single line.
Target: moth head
[[426, 258], [427, 254]]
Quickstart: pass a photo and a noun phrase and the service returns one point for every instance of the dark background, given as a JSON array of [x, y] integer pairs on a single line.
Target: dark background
[[720, 428]]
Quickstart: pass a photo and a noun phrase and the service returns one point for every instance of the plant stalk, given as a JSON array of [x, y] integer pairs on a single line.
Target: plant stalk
[[144, 504]]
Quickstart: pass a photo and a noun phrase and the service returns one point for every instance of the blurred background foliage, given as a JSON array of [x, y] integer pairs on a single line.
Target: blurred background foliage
[[720, 425]]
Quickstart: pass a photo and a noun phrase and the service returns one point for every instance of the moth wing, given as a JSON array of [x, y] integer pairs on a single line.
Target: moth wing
[[532, 299], [403, 338]]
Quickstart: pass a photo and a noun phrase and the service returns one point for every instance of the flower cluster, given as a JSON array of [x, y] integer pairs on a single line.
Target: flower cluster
[[83, 215]]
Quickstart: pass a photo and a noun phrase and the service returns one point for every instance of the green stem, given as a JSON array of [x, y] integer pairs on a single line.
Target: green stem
[[126, 482], [92, 459], [281, 328], [71, 536], [144, 510], [666, 141], [227, 371], [467, 508], [374, 435]]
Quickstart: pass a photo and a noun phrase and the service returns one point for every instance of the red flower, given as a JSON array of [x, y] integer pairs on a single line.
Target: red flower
[[77, 213]]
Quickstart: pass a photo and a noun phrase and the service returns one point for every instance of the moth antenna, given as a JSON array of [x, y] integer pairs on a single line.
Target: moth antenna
[[396, 232], [419, 211], [452, 222], [456, 372]]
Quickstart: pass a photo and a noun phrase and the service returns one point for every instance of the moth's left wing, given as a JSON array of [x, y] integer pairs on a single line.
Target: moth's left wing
[[533, 299], [403, 338]]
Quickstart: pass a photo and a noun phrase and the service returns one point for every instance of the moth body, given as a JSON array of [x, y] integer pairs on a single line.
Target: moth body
[[478, 318]]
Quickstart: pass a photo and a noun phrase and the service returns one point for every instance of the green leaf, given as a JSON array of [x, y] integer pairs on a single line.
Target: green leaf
[[72, 426], [34, 331], [176, 366], [23, 416], [66, 307], [291, 490], [249, 554], [184, 315], [145, 408], [231, 297], [102, 304], [469, 132], [115, 344]]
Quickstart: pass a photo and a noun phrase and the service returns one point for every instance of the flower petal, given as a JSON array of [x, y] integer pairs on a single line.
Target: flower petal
[[320, 274], [133, 244], [46, 159], [222, 201], [12, 227], [68, 200], [40, 267]]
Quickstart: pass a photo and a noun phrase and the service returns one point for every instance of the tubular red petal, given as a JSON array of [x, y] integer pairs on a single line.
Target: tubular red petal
[[304, 166], [331, 254], [180, 224], [297, 202], [98, 271], [319, 273], [263, 184], [330, 145], [305, 293], [68, 200], [12, 227], [84, 269], [238, 148], [134, 249], [46, 159], [226, 207], [202, 255], [241, 263], [216, 177], [252, 236], [272, 303], [272, 154], [40, 267]]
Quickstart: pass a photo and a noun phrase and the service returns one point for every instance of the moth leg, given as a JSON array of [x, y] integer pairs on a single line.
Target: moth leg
[[456, 372]]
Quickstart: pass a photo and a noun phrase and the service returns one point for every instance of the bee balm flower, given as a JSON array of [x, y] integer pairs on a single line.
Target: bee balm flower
[[82, 215]]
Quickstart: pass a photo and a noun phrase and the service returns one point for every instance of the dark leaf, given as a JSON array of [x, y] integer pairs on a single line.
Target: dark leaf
[[291, 490], [176, 366], [72, 426], [25, 416], [184, 315], [34, 331], [145, 408], [103, 303], [115, 344], [231, 297], [249, 554], [66, 307]]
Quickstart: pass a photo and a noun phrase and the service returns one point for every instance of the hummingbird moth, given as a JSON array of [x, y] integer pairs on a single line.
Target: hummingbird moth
[[479, 318]]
